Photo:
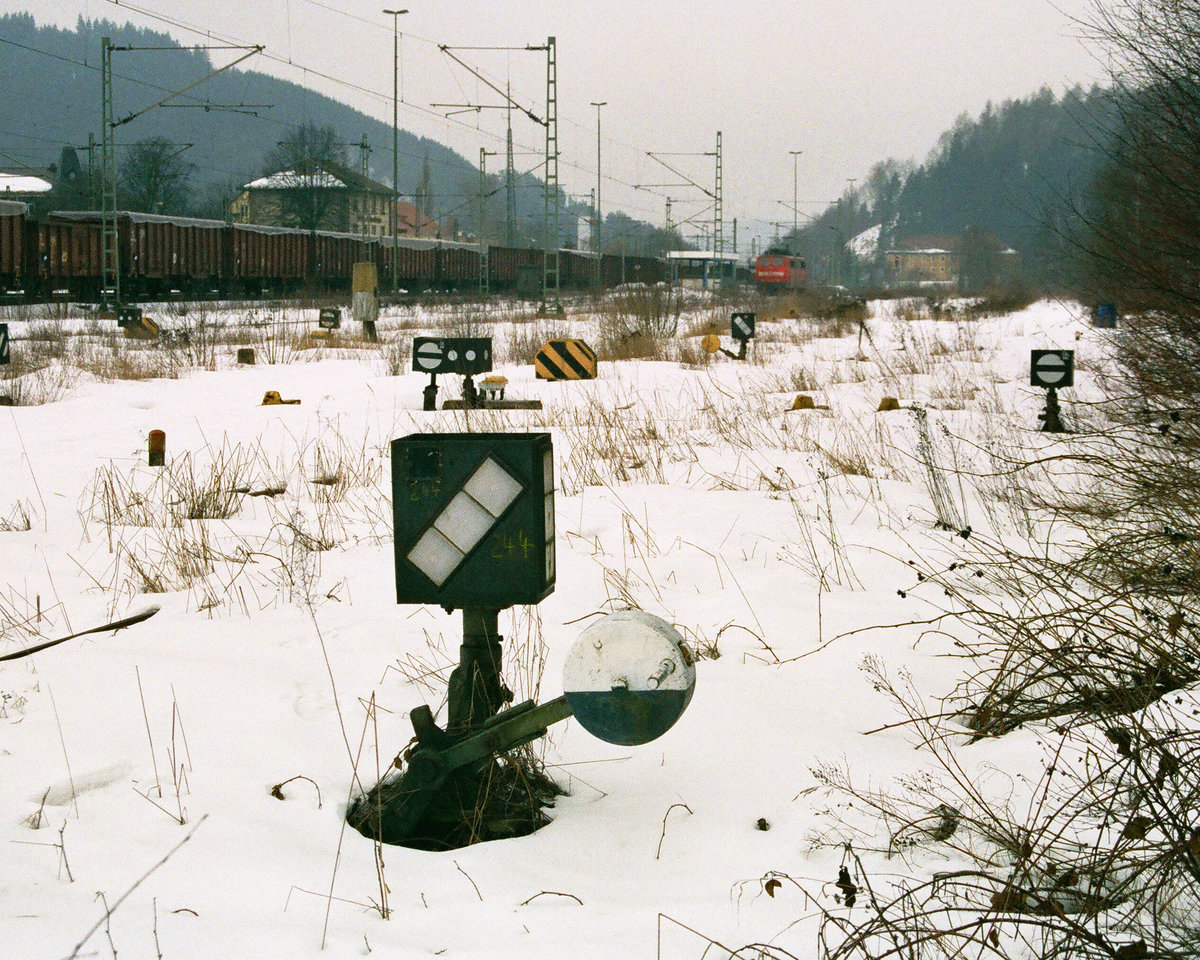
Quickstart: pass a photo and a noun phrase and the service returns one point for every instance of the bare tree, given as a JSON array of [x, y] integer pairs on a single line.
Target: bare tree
[[1096, 643], [154, 179], [1141, 237], [301, 166]]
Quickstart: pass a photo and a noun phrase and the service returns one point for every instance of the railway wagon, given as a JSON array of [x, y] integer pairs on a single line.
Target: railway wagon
[[158, 255], [459, 265], [171, 254], [649, 270], [13, 219], [63, 255], [576, 269], [415, 264], [423, 263], [505, 265], [617, 269], [335, 256], [266, 258]]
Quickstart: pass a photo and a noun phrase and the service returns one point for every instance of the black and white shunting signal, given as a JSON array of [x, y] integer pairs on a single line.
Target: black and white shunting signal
[[473, 518], [329, 318], [1051, 369], [4, 353], [741, 326], [465, 356]]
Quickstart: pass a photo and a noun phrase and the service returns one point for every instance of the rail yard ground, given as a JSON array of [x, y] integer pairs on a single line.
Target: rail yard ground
[[201, 762]]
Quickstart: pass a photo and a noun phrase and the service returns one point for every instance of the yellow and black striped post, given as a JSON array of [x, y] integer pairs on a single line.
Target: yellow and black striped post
[[565, 360]]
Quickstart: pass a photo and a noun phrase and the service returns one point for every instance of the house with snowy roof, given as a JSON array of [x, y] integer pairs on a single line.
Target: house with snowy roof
[[328, 197], [25, 186]]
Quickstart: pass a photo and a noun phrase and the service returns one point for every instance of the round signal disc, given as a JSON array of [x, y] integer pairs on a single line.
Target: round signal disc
[[628, 678]]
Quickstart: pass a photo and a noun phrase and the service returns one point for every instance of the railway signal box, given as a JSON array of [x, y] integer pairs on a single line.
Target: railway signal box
[[129, 316], [465, 356], [473, 517], [741, 326], [330, 318], [1051, 369]]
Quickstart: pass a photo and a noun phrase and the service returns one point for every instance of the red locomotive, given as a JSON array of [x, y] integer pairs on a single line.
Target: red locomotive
[[779, 270]]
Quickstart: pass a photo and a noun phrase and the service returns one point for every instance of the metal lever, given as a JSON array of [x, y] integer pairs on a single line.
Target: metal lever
[[429, 765]]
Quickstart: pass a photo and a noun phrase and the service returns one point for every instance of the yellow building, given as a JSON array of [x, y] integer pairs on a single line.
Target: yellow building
[[332, 197], [925, 259]]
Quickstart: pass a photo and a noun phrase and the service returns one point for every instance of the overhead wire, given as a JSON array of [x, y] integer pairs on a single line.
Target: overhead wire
[[266, 53], [291, 62]]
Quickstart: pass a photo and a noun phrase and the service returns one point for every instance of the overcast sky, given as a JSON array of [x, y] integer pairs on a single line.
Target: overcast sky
[[848, 82]]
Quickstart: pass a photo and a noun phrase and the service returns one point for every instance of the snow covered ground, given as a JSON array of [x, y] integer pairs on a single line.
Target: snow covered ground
[[139, 770]]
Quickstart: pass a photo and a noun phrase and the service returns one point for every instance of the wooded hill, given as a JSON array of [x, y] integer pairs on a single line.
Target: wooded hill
[[50, 86], [1014, 175]]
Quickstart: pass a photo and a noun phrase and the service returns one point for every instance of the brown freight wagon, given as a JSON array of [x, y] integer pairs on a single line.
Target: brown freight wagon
[[616, 269], [336, 255], [13, 217], [506, 263], [171, 254], [267, 258], [417, 263], [576, 269], [65, 253], [460, 265]]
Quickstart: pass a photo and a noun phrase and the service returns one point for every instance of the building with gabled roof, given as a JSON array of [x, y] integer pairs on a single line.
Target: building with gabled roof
[[349, 202]]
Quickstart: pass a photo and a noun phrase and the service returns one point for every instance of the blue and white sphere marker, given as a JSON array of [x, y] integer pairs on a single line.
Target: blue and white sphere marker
[[628, 678]]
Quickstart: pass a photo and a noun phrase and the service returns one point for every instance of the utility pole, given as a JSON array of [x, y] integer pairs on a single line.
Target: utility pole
[[395, 15], [110, 267], [364, 156], [550, 203], [851, 277], [599, 230], [795, 198], [481, 221], [719, 214], [510, 181], [110, 256]]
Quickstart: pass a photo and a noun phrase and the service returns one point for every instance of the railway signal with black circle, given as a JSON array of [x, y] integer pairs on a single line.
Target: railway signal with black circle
[[1051, 369], [462, 355], [330, 318], [465, 356]]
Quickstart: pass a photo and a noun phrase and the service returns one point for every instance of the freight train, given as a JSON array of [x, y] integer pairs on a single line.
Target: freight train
[[59, 256]]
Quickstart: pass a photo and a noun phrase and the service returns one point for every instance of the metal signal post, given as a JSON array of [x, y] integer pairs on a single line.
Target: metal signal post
[[395, 15], [1051, 369], [599, 226]]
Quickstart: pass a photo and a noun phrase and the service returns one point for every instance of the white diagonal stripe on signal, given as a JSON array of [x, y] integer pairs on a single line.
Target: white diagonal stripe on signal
[[464, 521]]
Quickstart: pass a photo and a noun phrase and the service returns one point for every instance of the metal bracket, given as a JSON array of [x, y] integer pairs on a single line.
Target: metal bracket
[[437, 756]]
